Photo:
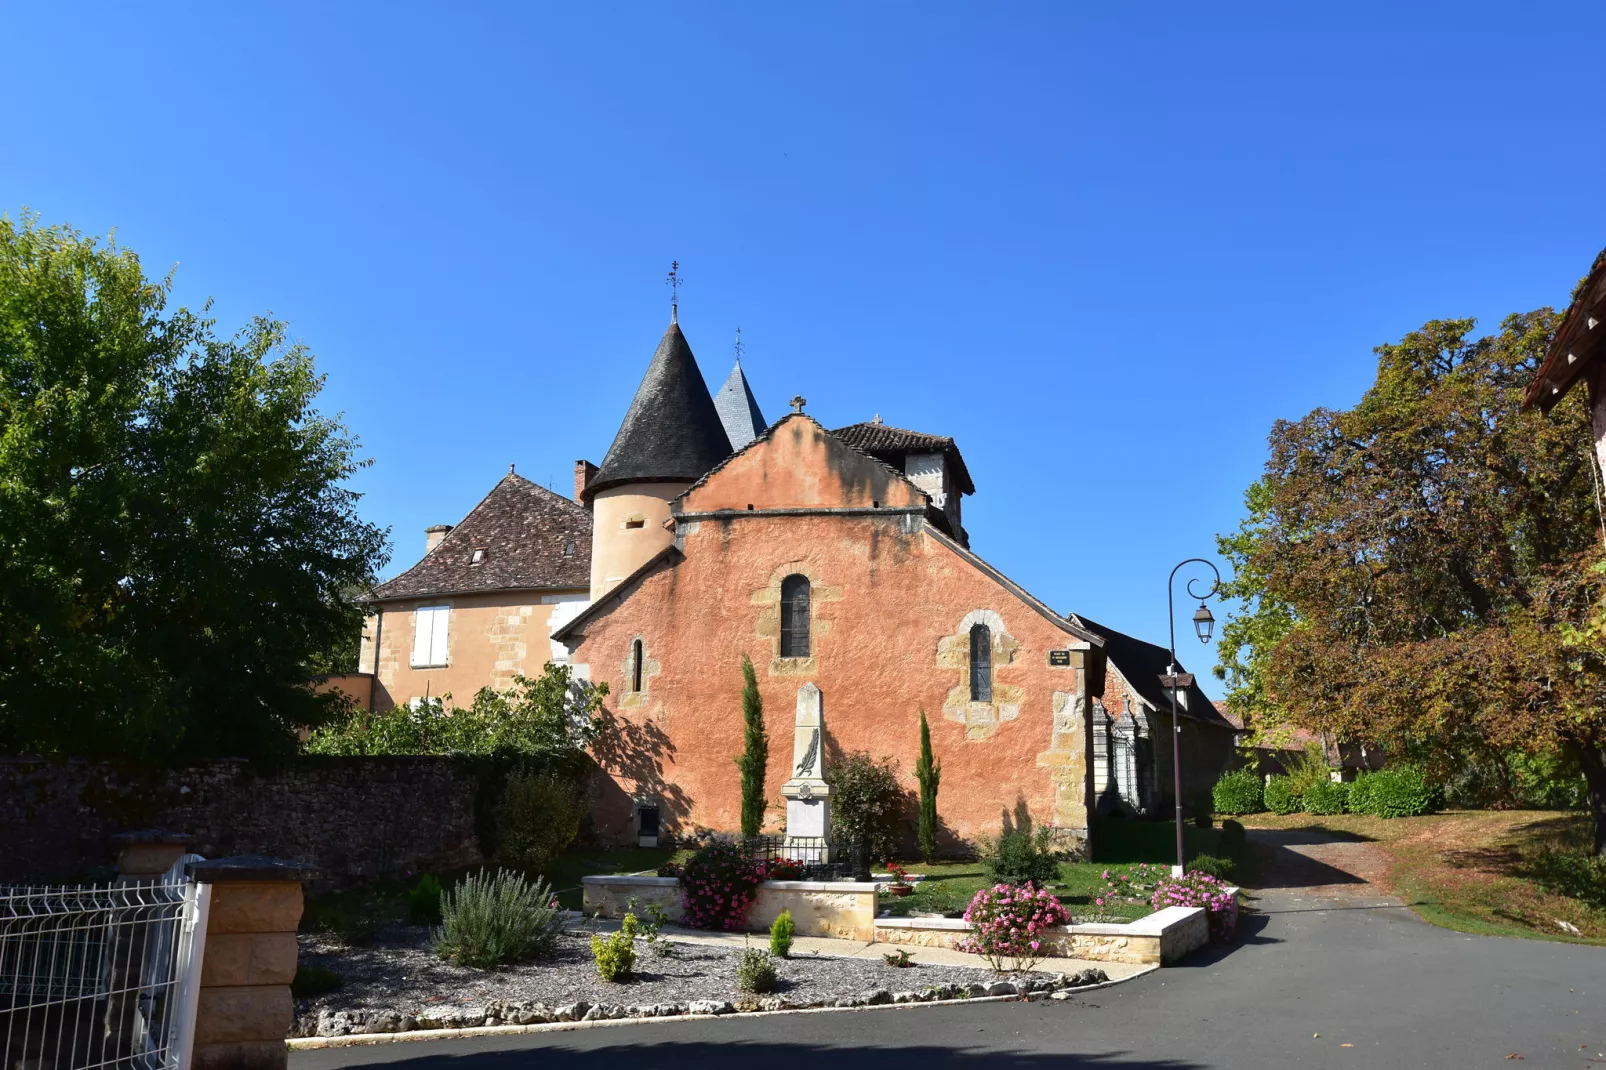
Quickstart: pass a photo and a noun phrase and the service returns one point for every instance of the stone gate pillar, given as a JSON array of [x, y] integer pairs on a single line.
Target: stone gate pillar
[[245, 1012]]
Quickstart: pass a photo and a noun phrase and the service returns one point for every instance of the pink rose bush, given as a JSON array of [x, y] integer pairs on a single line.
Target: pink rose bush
[[1201, 890], [1008, 923], [718, 885]]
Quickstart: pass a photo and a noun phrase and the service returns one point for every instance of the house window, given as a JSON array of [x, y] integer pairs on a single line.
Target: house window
[[478, 557], [429, 636], [795, 617], [635, 522], [568, 547], [981, 663], [635, 666]]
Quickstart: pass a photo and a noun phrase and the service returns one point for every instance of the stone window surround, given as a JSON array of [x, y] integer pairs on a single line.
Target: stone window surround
[[628, 699], [981, 719], [768, 628]]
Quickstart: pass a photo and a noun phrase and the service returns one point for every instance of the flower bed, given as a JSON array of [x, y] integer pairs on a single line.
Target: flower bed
[[399, 985]]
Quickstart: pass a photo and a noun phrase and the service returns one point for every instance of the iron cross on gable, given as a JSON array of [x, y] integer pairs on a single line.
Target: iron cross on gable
[[798, 401]]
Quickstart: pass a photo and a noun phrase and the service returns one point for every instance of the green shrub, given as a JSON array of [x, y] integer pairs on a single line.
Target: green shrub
[[868, 806], [491, 920], [781, 935], [537, 817], [615, 954], [1578, 873], [1238, 792], [1399, 791], [1220, 868], [756, 972], [1017, 857], [1280, 797], [312, 981], [1308, 769], [1326, 797], [424, 901], [1233, 840]]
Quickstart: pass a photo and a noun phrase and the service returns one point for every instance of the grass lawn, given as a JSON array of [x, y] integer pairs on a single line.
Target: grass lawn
[[1502, 873], [949, 886]]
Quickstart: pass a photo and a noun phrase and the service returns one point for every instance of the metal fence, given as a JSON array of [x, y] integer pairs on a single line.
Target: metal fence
[[99, 976], [813, 855]]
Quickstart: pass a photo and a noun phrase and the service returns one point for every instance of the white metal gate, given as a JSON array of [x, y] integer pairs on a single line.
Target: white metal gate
[[95, 976]]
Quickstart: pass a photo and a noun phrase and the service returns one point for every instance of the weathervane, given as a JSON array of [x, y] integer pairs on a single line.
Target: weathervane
[[673, 281], [738, 345]]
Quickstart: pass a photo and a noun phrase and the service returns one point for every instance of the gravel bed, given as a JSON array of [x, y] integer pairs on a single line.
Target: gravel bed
[[398, 983]]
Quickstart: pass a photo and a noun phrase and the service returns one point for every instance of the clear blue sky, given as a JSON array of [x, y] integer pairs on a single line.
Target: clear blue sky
[[1103, 246]]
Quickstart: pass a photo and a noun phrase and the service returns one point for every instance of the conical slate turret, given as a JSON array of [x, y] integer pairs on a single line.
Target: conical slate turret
[[738, 410], [672, 433]]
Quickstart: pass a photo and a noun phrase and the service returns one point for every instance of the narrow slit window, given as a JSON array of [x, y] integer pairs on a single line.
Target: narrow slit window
[[636, 522], [635, 666], [795, 617], [981, 663]]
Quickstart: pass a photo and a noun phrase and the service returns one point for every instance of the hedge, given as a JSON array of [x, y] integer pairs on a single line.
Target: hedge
[[1280, 797], [1237, 792]]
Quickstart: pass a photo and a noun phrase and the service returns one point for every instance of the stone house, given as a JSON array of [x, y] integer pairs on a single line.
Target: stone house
[[1131, 731], [480, 606]]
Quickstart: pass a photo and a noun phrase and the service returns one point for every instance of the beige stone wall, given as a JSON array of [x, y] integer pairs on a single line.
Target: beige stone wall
[[490, 639], [244, 1011], [1165, 937], [617, 548], [842, 910]]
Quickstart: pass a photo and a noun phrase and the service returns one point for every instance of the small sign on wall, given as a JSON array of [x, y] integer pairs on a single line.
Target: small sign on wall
[[1059, 658]]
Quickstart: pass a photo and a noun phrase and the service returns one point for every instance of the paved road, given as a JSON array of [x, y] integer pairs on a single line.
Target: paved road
[[1327, 954]]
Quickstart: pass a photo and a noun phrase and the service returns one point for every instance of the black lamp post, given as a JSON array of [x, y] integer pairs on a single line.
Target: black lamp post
[[1203, 624]]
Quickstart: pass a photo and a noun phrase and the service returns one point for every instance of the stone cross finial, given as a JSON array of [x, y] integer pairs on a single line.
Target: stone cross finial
[[877, 420], [798, 401]]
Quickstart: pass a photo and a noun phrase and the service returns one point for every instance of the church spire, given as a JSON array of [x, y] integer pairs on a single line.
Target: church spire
[[672, 432], [738, 409]]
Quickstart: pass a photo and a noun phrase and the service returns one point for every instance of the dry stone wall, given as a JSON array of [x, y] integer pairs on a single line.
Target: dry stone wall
[[356, 819]]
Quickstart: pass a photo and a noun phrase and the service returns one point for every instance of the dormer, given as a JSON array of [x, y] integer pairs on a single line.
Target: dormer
[[931, 462]]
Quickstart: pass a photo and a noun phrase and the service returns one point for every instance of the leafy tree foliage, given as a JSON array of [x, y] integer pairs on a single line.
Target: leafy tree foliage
[[552, 716], [1428, 564], [177, 546], [867, 805], [755, 754]]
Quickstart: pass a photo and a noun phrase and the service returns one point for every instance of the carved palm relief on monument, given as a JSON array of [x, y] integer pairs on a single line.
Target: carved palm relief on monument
[[978, 648]]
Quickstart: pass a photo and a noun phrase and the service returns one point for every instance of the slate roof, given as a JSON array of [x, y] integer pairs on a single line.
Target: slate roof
[[880, 439], [738, 410], [524, 530], [1142, 664], [672, 432]]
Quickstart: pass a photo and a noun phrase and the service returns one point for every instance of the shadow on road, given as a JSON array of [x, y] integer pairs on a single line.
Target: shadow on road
[[1276, 865], [738, 1055]]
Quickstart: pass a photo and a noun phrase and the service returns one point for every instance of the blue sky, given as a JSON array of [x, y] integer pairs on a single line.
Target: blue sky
[[1103, 246]]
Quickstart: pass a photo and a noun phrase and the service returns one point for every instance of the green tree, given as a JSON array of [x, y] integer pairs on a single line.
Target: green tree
[[755, 754], [1249, 636], [928, 772], [553, 717], [178, 548], [1438, 551]]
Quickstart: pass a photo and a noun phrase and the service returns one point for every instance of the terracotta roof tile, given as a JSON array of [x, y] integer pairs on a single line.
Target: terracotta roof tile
[[880, 439], [531, 538]]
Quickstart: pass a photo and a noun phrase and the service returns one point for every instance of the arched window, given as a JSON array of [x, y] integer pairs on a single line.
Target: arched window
[[981, 663], [795, 617], [635, 666]]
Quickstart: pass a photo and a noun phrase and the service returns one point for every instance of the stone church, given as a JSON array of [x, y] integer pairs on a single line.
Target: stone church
[[832, 558]]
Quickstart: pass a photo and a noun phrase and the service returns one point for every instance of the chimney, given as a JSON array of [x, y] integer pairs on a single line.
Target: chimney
[[584, 472], [434, 534]]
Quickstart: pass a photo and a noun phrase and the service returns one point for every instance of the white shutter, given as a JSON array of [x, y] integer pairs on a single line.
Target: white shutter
[[423, 622], [437, 636]]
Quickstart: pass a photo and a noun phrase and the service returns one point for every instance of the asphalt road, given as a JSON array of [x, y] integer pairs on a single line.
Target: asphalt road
[[1329, 973]]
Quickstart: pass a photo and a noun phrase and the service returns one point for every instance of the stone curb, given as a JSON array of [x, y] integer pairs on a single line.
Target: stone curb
[[364, 1039]]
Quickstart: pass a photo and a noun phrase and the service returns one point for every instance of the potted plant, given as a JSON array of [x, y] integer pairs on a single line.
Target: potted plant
[[899, 886]]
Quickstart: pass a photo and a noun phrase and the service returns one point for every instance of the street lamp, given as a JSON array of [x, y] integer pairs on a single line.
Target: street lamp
[[1204, 624]]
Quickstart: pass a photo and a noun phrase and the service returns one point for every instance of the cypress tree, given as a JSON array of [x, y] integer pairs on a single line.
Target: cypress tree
[[756, 754], [929, 773]]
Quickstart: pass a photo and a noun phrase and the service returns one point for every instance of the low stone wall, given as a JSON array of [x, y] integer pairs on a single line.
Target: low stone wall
[[354, 818], [842, 910], [1165, 937]]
